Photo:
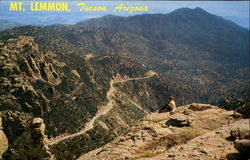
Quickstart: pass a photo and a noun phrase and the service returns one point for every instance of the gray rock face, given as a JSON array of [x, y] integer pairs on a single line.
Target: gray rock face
[[3, 140]]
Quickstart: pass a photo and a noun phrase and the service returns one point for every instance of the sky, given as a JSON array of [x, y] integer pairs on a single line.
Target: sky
[[236, 11]]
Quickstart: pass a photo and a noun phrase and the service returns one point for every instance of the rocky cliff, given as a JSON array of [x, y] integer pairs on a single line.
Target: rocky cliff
[[195, 131], [21, 66]]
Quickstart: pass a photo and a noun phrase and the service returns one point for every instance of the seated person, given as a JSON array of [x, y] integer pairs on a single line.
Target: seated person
[[169, 106]]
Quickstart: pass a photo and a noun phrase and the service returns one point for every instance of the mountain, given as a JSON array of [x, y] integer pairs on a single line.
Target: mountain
[[193, 27], [5, 24], [72, 92], [91, 81]]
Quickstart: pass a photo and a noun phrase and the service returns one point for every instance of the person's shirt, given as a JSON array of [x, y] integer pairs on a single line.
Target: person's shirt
[[172, 105]]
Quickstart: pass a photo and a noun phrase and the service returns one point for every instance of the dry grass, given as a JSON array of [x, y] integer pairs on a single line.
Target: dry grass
[[165, 143], [145, 153]]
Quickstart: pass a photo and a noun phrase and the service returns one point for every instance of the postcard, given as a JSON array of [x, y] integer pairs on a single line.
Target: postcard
[[124, 80]]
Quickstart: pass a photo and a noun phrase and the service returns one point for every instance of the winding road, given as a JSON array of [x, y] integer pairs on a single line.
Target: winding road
[[102, 110]]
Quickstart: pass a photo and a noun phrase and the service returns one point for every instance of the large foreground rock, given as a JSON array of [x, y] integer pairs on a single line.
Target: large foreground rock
[[196, 127], [33, 143], [3, 140]]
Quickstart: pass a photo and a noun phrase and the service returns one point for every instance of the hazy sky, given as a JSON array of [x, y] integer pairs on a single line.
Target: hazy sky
[[237, 11]]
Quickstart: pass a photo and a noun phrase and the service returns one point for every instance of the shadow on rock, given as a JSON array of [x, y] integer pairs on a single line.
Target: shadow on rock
[[177, 123]]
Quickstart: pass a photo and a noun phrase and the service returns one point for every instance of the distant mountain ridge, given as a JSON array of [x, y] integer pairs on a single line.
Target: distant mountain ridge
[[5, 24], [194, 27]]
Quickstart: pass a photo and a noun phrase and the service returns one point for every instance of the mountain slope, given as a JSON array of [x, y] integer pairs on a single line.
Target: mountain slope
[[201, 52], [194, 27], [175, 61], [94, 93]]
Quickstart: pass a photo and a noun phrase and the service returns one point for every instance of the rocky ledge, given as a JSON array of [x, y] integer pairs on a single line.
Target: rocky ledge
[[195, 131]]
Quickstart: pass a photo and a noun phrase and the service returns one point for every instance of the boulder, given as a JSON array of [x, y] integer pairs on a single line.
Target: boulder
[[245, 109], [33, 143], [199, 107], [243, 146], [240, 133], [3, 140]]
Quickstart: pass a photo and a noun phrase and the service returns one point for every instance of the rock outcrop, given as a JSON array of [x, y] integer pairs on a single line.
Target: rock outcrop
[[199, 107], [22, 64], [245, 109], [181, 134], [24, 73], [33, 143], [240, 136], [241, 105], [243, 146], [3, 140]]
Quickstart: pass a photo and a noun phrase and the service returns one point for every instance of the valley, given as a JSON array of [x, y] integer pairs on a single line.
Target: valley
[[102, 109]]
